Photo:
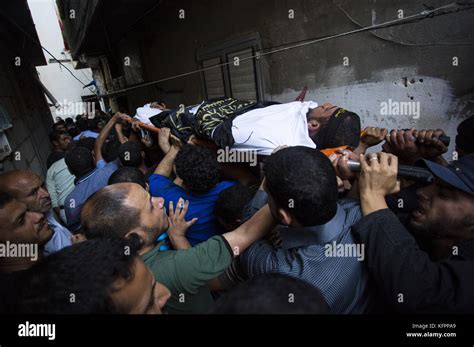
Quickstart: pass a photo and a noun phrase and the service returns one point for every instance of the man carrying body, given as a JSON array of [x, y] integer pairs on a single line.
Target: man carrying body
[[407, 276], [126, 210]]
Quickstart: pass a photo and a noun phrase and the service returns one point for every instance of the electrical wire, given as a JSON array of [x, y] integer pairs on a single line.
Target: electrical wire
[[47, 51], [401, 42], [430, 13]]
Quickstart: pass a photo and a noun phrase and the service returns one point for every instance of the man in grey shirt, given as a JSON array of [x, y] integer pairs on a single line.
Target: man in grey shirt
[[316, 243]]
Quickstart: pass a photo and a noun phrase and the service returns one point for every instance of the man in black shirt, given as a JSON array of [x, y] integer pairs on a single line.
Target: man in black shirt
[[408, 278]]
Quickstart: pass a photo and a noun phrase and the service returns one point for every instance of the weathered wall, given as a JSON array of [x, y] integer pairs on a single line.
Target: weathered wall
[[416, 68], [31, 118]]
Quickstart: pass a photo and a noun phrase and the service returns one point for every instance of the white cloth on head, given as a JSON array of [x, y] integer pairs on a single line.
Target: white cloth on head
[[264, 129], [144, 113]]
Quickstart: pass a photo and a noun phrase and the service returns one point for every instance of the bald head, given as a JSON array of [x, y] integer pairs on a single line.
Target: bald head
[[107, 214], [26, 187], [121, 208]]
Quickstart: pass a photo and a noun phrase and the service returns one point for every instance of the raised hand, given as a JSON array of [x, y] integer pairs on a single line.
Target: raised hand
[[177, 221], [378, 178]]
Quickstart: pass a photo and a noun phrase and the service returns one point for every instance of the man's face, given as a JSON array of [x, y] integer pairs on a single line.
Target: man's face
[[442, 211], [60, 127], [319, 116], [153, 217], [30, 190], [18, 225], [100, 125], [63, 142], [141, 294]]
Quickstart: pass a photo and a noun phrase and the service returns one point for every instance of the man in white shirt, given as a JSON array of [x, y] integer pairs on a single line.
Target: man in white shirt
[[60, 182]]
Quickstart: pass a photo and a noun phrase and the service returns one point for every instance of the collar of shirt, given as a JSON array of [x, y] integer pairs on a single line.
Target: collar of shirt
[[154, 251], [53, 223], [318, 234], [84, 178], [61, 236]]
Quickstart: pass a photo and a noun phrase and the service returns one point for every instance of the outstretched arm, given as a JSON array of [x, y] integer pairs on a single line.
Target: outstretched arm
[[104, 133], [252, 230], [119, 129], [170, 145]]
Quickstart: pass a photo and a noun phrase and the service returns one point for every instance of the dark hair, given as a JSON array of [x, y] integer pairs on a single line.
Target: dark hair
[[73, 132], [272, 294], [343, 129], [79, 160], [55, 135], [128, 174], [109, 150], [78, 279], [130, 154], [231, 203], [87, 142], [464, 137], [82, 124], [105, 214], [93, 124], [58, 123], [5, 199], [197, 166], [302, 181]]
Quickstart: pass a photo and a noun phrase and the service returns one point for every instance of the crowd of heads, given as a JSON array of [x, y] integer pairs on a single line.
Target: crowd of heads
[[123, 219], [98, 276], [74, 126]]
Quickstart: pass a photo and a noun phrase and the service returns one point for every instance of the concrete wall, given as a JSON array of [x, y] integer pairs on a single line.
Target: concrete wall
[[26, 105], [64, 87], [418, 67]]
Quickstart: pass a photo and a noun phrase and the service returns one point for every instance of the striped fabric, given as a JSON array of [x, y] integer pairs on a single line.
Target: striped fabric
[[343, 280]]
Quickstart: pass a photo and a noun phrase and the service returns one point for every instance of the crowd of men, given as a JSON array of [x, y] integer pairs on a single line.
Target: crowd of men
[[125, 222]]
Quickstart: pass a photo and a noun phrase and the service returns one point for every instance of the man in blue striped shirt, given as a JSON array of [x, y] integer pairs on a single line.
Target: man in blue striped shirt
[[317, 244]]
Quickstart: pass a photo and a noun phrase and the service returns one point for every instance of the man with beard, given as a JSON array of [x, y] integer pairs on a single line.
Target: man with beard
[[408, 278], [331, 126], [127, 210], [445, 212]]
